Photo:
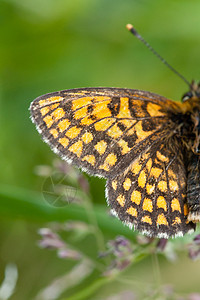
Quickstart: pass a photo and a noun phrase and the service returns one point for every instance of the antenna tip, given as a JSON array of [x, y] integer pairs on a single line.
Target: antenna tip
[[131, 29], [129, 26]]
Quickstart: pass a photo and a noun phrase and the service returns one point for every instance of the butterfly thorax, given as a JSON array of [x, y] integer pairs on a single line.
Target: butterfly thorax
[[191, 111]]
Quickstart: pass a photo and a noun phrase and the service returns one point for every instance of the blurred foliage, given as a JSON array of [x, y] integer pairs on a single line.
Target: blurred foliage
[[49, 45]]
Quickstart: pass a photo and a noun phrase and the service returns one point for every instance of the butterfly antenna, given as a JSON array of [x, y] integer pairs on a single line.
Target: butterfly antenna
[[137, 35]]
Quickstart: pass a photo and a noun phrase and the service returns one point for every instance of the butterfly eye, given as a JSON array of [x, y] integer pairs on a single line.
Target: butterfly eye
[[187, 96]]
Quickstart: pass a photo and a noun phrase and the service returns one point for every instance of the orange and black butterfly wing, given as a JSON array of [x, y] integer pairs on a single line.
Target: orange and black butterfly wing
[[101, 130], [150, 195], [107, 132]]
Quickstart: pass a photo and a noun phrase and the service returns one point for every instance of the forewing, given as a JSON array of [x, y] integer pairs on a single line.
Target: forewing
[[102, 130], [150, 195]]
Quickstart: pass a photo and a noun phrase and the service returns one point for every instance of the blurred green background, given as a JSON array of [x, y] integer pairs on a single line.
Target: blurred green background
[[49, 45]]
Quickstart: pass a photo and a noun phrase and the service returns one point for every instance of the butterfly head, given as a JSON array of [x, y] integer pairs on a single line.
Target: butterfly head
[[193, 92]]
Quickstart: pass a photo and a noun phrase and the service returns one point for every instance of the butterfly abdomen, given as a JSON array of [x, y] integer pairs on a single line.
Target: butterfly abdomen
[[193, 188]]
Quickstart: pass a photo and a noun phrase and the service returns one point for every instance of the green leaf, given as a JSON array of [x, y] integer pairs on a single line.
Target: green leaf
[[30, 206]]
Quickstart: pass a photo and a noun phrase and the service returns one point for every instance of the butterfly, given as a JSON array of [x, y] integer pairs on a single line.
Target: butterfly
[[144, 145]]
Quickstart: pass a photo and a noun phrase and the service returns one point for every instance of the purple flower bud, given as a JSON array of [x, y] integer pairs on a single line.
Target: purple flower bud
[[68, 253], [84, 185], [120, 246], [121, 249], [194, 254], [197, 239], [50, 239], [194, 248], [51, 243], [47, 232], [161, 244]]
